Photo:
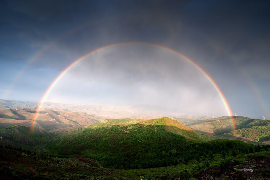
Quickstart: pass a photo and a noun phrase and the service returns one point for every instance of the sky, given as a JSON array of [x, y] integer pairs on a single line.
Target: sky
[[226, 40]]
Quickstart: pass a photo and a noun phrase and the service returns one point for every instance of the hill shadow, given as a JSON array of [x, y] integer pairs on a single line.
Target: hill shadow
[[266, 138], [7, 117], [222, 131], [244, 124], [21, 117]]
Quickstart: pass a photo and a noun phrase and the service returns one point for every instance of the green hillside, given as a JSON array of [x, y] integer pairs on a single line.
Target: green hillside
[[246, 128], [147, 144], [129, 147], [111, 122], [125, 149], [256, 132], [169, 124], [20, 136], [174, 126]]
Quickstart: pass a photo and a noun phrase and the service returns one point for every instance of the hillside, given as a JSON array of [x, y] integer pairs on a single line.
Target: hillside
[[125, 149], [47, 120], [21, 164], [255, 129], [246, 128], [127, 145], [174, 126], [169, 124], [20, 137], [146, 144]]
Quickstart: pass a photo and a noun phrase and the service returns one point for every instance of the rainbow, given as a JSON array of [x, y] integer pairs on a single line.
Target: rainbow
[[45, 95], [255, 91], [38, 54], [248, 80], [19, 74]]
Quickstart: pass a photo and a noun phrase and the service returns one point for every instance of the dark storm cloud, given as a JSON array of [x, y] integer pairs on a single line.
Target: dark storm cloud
[[45, 20]]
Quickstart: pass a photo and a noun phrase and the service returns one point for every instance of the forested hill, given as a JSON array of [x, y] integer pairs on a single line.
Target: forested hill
[[124, 148], [146, 144], [257, 130], [171, 125]]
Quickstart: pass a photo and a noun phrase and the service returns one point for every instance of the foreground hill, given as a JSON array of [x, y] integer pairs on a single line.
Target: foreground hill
[[127, 149], [20, 164], [47, 119], [146, 144], [121, 146]]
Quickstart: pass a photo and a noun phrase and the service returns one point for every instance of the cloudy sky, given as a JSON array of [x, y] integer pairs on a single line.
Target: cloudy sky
[[228, 39]]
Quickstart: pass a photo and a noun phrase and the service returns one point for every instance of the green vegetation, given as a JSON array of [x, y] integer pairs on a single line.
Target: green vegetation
[[20, 164], [128, 149], [20, 136], [249, 129], [258, 133], [145, 145]]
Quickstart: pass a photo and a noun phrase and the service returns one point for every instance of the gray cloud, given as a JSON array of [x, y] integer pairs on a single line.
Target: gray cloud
[[140, 74]]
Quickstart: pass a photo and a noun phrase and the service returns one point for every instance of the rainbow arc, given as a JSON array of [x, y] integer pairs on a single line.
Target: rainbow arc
[[214, 84]]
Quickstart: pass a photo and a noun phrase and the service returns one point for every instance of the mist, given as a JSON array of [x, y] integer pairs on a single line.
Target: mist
[[139, 75]]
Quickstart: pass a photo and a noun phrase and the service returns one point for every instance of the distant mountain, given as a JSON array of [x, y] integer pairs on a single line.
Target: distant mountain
[[47, 120], [104, 111], [17, 104], [192, 117]]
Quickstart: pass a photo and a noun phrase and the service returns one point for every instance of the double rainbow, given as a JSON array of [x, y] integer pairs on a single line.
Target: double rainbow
[[45, 95]]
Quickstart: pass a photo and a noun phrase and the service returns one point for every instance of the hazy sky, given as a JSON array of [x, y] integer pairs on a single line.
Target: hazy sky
[[229, 39]]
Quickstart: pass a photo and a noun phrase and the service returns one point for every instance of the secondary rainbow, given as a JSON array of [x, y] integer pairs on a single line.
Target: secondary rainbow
[[45, 95], [42, 51]]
